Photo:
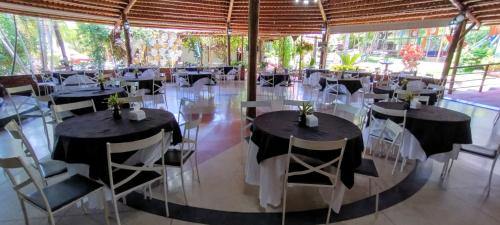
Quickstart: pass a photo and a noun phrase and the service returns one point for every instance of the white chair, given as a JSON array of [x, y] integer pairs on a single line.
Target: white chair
[[400, 95], [61, 108], [369, 99], [47, 168], [29, 102], [51, 199], [124, 179], [246, 121], [439, 91], [266, 85], [46, 83], [415, 85], [179, 155], [289, 104], [301, 172], [133, 100], [491, 150], [351, 113], [366, 85], [388, 134], [424, 99], [314, 86]]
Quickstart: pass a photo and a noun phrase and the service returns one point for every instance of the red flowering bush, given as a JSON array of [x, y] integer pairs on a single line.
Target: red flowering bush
[[411, 54]]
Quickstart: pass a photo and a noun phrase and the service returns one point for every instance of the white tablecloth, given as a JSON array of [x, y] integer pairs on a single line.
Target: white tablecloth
[[269, 175]]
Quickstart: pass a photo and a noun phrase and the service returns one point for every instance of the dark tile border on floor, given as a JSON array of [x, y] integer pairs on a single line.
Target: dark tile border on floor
[[398, 193]]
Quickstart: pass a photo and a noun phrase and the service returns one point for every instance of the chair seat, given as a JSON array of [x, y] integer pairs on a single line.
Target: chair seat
[[173, 157], [52, 168], [140, 179], [367, 168], [479, 150], [310, 178], [64, 193]]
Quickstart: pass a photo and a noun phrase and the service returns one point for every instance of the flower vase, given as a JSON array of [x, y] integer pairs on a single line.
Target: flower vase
[[302, 120], [102, 86], [116, 113], [406, 105], [136, 75]]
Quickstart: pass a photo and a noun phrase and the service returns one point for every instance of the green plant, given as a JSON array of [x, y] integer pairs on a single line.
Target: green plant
[[404, 82], [408, 97], [114, 101], [306, 109], [348, 62]]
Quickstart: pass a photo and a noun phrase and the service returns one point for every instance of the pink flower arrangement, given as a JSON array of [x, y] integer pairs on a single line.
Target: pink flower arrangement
[[411, 54]]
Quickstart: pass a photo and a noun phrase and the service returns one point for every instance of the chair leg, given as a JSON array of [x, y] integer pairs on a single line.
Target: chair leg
[[46, 133], [84, 209], [196, 165], [117, 213], [51, 219], [25, 213], [183, 187], [395, 164], [165, 192], [105, 206], [491, 175], [283, 211]]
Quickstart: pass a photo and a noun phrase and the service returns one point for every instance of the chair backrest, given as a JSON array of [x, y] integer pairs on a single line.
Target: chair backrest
[[415, 85], [27, 101], [383, 83], [315, 146], [133, 146], [185, 107], [494, 138], [354, 114], [18, 164], [314, 78], [424, 99], [246, 121], [16, 132], [294, 103], [389, 112], [57, 109], [370, 98], [133, 100], [401, 94], [391, 131]]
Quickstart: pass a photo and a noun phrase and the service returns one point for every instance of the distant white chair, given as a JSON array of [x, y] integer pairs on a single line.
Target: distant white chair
[[415, 85], [133, 100], [369, 99], [288, 104], [246, 121], [301, 172]]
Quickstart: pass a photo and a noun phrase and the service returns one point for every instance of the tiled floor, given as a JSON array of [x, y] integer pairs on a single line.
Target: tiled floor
[[461, 200]]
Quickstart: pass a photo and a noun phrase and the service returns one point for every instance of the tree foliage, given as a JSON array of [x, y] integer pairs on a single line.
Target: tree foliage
[[94, 40]]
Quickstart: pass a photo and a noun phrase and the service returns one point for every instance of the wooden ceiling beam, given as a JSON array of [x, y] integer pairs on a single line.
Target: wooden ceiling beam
[[230, 11]]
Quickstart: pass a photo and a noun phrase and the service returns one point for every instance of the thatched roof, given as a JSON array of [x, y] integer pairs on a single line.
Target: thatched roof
[[277, 17]]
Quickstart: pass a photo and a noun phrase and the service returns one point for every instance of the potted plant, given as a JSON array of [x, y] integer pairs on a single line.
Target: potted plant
[[304, 110], [137, 72], [101, 79], [115, 102], [407, 100], [348, 62], [404, 82]]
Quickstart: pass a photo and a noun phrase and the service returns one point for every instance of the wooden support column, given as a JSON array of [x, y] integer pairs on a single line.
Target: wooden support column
[[253, 35], [261, 45], [458, 53], [324, 49], [126, 33], [451, 52], [228, 49]]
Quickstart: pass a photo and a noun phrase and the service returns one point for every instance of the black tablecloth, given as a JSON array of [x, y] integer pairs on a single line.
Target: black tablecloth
[[308, 72], [436, 129], [278, 78], [425, 92], [352, 85], [271, 133], [99, 97], [195, 76], [83, 139], [145, 82]]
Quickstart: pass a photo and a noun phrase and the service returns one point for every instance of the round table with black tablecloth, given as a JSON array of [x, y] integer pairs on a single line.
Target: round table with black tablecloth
[[195, 76], [424, 92], [83, 139], [436, 129], [271, 133], [352, 85], [145, 82], [96, 94], [275, 79]]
